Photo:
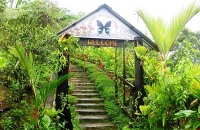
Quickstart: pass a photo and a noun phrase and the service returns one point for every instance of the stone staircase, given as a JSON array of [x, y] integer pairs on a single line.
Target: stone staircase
[[90, 107]]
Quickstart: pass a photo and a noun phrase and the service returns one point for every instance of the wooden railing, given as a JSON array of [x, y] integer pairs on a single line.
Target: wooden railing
[[124, 91]]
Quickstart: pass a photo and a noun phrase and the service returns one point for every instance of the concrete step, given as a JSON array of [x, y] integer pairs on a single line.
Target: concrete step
[[84, 88], [85, 91], [75, 78], [93, 118], [79, 74], [91, 111], [74, 67], [80, 80], [77, 70], [90, 105], [85, 95], [82, 84], [89, 100], [98, 126], [80, 77]]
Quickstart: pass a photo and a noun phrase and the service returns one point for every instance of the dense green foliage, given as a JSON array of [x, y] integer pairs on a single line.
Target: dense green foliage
[[168, 90], [29, 57], [187, 45], [171, 96], [166, 94], [169, 93]]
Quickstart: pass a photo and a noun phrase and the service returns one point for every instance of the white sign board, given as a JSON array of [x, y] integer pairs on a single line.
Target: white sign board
[[103, 25]]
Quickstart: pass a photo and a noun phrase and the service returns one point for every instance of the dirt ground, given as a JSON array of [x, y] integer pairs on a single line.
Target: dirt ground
[[3, 103]]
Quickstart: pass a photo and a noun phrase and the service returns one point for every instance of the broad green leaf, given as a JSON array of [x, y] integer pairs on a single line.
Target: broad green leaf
[[149, 89], [140, 51], [45, 90], [3, 62], [153, 89], [184, 113], [145, 110], [46, 120], [51, 112], [196, 125]]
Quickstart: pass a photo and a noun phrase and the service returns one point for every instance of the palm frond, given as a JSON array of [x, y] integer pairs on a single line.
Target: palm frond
[[178, 22], [163, 35], [26, 61], [155, 26], [46, 90]]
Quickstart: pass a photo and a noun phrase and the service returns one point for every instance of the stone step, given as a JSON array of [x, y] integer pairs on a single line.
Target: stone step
[[77, 74], [77, 70], [83, 84], [93, 118], [85, 91], [89, 100], [98, 126], [91, 111], [80, 80], [90, 105], [84, 88], [81, 76], [74, 67], [84, 95]]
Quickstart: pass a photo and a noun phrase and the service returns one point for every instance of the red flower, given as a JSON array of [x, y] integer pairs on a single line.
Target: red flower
[[36, 114], [101, 66], [85, 55]]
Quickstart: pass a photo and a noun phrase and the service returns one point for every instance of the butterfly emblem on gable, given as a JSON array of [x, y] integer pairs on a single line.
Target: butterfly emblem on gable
[[102, 27]]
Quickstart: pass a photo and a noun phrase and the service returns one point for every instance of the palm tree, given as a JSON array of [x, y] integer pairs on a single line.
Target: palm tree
[[164, 35]]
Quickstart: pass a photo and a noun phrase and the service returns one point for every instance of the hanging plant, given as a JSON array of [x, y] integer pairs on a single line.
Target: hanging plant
[[63, 42], [140, 51], [67, 41]]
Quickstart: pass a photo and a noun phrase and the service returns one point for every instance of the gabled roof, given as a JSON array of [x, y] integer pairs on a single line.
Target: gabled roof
[[129, 31]]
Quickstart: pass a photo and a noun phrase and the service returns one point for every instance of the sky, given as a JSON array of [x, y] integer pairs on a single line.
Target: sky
[[165, 9]]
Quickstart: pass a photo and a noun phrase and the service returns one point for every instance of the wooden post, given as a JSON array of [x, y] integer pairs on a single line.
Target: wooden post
[[62, 89], [139, 80], [116, 86], [124, 76]]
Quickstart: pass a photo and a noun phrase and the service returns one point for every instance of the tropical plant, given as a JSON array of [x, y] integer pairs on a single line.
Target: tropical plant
[[29, 57], [164, 35], [162, 82], [169, 93], [26, 62]]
